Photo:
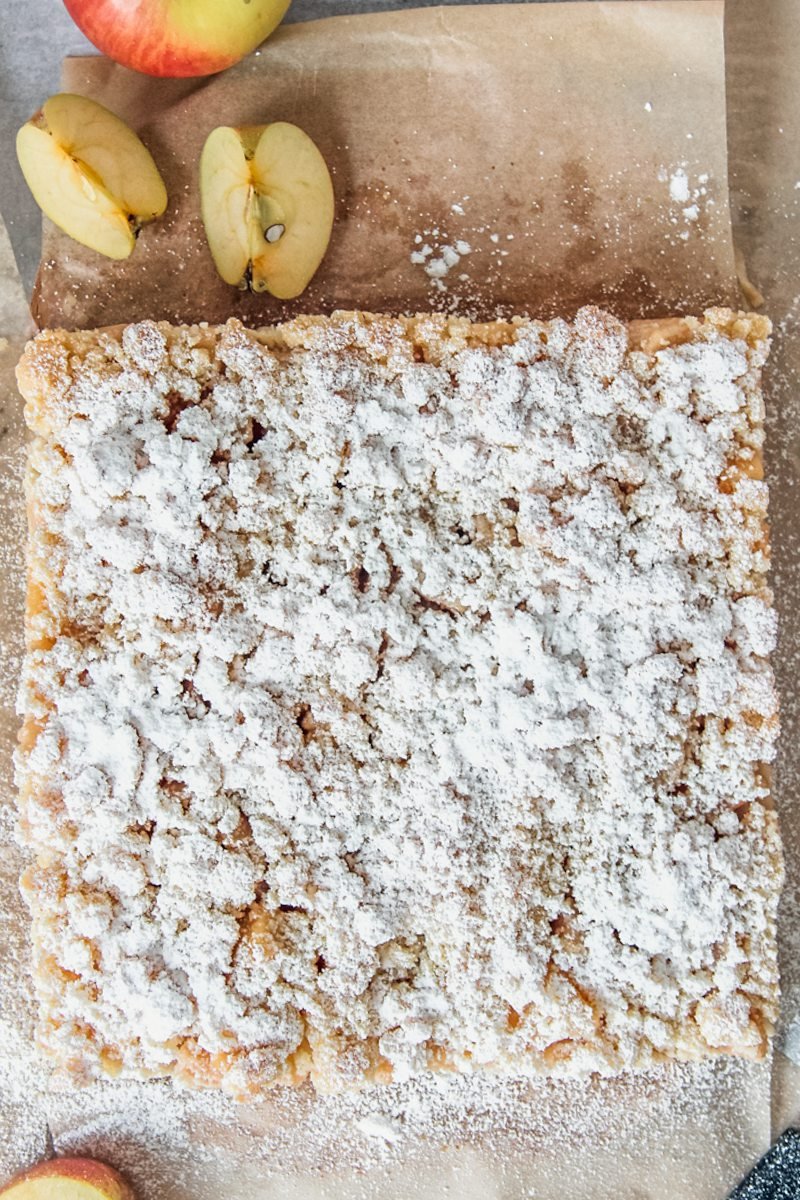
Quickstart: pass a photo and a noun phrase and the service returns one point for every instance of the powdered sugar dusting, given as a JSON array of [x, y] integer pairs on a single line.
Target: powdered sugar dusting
[[679, 186], [22, 1130], [442, 254], [363, 767], [402, 1124], [420, 1135], [438, 263], [689, 198], [12, 564]]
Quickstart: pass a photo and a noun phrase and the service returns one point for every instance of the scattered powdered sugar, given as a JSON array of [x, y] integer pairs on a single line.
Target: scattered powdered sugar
[[12, 560], [456, 261], [193, 1144], [363, 766], [679, 186], [379, 1127], [437, 265], [22, 1073], [692, 199]]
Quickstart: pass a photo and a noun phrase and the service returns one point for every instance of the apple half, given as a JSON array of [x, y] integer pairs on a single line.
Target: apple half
[[90, 174], [68, 1179], [267, 202]]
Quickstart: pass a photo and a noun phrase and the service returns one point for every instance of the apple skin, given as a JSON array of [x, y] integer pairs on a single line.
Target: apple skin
[[95, 1174], [177, 38]]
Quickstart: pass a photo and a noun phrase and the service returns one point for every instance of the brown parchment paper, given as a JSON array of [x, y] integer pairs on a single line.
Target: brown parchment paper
[[580, 154], [419, 112]]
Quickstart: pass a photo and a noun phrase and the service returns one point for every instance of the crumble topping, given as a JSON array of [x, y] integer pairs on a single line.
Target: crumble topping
[[403, 701]]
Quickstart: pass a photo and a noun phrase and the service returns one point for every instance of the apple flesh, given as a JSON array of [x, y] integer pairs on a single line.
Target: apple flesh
[[68, 1179], [267, 202], [177, 38], [90, 174]]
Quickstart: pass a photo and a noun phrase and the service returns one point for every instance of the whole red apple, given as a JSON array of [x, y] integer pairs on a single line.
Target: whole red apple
[[177, 38]]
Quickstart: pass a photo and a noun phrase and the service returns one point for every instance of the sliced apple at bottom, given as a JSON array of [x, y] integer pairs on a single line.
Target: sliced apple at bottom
[[267, 203], [90, 174]]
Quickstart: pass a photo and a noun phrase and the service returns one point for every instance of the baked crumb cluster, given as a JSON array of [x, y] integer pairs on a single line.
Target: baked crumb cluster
[[397, 697]]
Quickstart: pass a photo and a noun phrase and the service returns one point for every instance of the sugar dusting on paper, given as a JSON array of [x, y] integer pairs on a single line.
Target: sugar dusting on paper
[[439, 250], [689, 197]]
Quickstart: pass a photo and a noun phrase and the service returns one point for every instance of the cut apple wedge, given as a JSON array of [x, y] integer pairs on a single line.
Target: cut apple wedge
[[267, 203], [90, 174]]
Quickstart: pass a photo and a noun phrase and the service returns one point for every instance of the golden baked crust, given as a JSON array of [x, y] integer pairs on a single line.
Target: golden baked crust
[[124, 420]]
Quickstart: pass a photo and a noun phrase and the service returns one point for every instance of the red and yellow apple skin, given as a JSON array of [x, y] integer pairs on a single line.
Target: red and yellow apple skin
[[68, 1179], [177, 38]]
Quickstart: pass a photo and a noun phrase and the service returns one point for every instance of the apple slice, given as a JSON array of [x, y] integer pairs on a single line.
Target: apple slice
[[90, 174], [68, 1179], [267, 203]]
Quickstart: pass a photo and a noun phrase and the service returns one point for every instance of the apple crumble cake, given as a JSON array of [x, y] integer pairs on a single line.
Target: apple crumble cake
[[397, 698]]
